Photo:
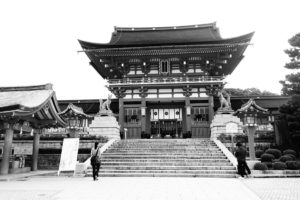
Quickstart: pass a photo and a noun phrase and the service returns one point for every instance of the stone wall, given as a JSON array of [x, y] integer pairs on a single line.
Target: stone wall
[[219, 125], [48, 160], [48, 144]]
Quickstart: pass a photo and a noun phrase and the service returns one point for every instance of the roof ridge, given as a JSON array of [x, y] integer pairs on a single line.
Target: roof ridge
[[133, 29], [47, 86]]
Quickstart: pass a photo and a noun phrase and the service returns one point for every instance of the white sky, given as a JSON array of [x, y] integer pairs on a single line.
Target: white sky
[[39, 39]]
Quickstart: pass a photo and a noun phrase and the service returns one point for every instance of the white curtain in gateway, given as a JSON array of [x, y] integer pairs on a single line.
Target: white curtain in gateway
[[166, 113]]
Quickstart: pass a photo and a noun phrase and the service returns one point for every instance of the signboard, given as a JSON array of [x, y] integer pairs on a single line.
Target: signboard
[[23, 149], [231, 127], [68, 158]]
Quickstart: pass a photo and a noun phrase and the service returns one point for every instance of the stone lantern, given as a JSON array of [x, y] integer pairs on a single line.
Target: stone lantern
[[249, 113]]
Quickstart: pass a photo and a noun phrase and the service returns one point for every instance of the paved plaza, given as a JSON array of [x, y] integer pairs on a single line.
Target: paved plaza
[[56, 188]]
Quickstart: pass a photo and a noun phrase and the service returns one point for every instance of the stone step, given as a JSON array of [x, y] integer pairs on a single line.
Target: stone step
[[110, 167], [165, 143], [162, 150], [103, 159], [162, 156], [164, 147], [170, 140], [170, 171], [191, 175], [167, 163], [165, 158]]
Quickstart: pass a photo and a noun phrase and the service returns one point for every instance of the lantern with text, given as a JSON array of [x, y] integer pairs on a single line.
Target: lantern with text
[[271, 118], [188, 110], [76, 119], [143, 111]]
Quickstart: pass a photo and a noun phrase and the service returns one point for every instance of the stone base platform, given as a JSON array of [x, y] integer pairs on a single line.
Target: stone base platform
[[221, 121], [105, 126]]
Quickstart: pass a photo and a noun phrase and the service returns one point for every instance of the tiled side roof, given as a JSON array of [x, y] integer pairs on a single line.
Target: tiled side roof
[[33, 103], [251, 103], [78, 111]]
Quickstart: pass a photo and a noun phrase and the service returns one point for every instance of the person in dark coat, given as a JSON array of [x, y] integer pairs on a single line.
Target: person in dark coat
[[240, 155], [95, 165]]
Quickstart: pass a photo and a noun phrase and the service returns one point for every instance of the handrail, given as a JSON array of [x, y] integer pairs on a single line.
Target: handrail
[[227, 153], [102, 149]]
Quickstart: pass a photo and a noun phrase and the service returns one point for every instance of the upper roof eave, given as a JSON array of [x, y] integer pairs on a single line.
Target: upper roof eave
[[91, 45]]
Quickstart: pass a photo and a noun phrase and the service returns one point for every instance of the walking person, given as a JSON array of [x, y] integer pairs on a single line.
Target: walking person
[[240, 155], [95, 160]]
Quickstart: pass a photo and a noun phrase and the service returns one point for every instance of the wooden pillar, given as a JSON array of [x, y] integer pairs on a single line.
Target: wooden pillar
[[35, 151], [251, 132], [121, 114], [143, 114], [188, 115], [9, 133], [210, 108]]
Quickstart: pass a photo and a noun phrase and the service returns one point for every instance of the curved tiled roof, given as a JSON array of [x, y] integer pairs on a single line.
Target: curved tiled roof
[[251, 104], [74, 110], [35, 104], [130, 36]]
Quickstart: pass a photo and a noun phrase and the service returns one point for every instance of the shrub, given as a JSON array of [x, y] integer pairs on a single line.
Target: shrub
[[269, 164], [187, 134], [290, 151], [267, 157], [260, 166], [258, 153], [145, 135], [275, 152], [285, 158], [279, 166], [293, 165], [291, 155]]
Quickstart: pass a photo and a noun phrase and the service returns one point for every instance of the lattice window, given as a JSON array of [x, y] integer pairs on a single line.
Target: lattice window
[[200, 114], [164, 66], [132, 115]]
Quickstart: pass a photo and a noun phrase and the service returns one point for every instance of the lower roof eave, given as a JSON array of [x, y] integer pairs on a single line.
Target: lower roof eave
[[165, 84]]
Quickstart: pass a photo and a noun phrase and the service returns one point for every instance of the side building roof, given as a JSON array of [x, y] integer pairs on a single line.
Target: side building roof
[[35, 104]]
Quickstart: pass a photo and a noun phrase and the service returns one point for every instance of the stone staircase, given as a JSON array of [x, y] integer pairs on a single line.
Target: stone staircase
[[165, 158]]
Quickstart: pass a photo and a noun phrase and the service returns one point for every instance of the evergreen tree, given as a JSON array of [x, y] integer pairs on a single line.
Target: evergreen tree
[[291, 85], [289, 119], [248, 92]]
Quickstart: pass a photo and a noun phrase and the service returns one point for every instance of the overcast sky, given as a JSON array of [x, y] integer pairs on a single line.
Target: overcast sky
[[39, 40]]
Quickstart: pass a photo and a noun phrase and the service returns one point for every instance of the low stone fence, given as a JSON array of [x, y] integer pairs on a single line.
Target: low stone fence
[[258, 145], [48, 144], [51, 161], [49, 154]]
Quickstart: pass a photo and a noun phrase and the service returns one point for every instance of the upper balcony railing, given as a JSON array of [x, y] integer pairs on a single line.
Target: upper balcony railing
[[166, 80]]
